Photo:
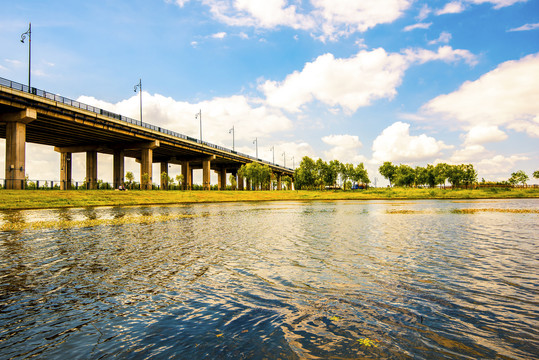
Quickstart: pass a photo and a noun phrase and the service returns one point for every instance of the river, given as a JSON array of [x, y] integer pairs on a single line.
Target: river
[[274, 280]]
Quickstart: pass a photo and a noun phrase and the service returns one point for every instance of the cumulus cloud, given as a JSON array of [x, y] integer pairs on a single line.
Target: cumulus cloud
[[443, 38], [481, 134], [326, 19], [506, 96], [453, 7], [498, 167], [344, 148], [218, 116], [469, 154], [352, 82], [396, 144], [219, 35]]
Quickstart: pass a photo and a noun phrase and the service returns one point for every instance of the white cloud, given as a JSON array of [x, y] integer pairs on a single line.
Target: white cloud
[[417, 26], [424, 12], [352, 82], [349, 83], [526, 27], [218, 115], [497, 3], [443, 38], [497, 167], [344, 148], [348, 16], [481, 134], [506, 96], [469, 154], [219, 35], [396, 144], [453, 7], [444, 53]]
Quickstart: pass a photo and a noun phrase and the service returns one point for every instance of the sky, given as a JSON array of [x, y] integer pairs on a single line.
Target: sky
[[408, 81]]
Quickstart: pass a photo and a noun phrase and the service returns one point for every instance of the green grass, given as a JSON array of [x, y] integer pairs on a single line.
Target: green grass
[[37, 199]]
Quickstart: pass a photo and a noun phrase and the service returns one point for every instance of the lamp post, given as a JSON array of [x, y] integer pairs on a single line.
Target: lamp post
[[199, 116], [232, 131], [23, 37], [284, 159], [273, 151], [139, 86], [255, 141], [293, 163]]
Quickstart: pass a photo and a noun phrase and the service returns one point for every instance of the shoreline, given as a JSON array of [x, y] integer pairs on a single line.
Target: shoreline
[[57, 199]]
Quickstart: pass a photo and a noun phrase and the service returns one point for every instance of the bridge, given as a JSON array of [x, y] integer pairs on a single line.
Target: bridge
[[36, 116]]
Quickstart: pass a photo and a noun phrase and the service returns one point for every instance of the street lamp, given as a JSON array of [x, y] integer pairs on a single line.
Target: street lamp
[[284, 159], [23, 37], [199, 116], [293, 163], [232, 131], [273, 150], [139, 86], [255, 141]]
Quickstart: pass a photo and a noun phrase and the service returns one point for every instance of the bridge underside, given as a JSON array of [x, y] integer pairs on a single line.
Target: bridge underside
[[29, 118]]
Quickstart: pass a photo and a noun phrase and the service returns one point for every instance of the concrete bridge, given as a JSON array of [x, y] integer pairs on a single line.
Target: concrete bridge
[[37, 116]]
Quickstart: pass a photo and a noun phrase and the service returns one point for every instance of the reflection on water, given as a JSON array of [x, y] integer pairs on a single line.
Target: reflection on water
[[274, 280]]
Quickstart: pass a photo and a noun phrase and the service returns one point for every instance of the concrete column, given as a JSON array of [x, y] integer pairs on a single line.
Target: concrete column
[[146, 161], [164, 169], [279, 183], [240, 182], [91, 169], [222, 179], [206, 174], [16, 146], [65, 171], [187, 175], [248, 184], [118, 168]]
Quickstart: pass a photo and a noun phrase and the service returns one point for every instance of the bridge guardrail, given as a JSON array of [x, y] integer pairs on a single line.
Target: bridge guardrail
[[61, 99]]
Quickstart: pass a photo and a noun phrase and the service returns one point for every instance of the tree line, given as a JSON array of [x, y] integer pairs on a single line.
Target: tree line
[[320, 174], [431, 175]]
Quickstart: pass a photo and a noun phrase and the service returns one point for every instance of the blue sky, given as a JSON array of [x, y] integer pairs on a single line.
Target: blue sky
[[412, 82]]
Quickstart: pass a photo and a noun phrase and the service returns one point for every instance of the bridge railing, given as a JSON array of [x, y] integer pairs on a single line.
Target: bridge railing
[[61, 99]]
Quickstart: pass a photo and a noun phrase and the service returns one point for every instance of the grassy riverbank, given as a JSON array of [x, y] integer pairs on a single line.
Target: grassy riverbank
[[35, 199]]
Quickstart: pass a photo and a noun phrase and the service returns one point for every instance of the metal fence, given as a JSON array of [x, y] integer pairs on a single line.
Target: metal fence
[[61, 99]]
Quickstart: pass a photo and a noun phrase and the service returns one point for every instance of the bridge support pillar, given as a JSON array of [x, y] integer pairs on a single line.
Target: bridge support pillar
[[65, 171], [248, 184], [206, 163], [118, 168], [187, 175], [146, 161], [222, 179], [279, 182], [16, 146], [91, 170], [240, 182], [164, 176]]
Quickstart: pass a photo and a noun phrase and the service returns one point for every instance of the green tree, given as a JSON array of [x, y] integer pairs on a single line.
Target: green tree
[[518, 177], [536, 174], [306, 174], [257, 174], [387, 170], [180, 180], [455, 175], [233, 182], [421, 176], [404, 176], [440, 173], [470, 175], [360, 174], [130, 178], [145, 183]]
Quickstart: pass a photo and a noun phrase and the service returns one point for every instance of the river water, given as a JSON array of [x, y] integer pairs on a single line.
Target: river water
[[275, 280]]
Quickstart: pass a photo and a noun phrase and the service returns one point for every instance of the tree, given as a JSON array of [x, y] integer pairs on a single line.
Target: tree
[[536, 174], [233, 182], [257, 174], [470, 175], [306, 174], [518, 177], [165, 180], [440, 173], [360, 174], [455, 175], [387, 170], [287, 180], [404, 176], [130, 178], [420, 176], [145, 183], [180, 180]]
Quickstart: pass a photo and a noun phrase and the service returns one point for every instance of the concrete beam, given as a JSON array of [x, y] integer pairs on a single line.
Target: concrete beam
[[25, 116]]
